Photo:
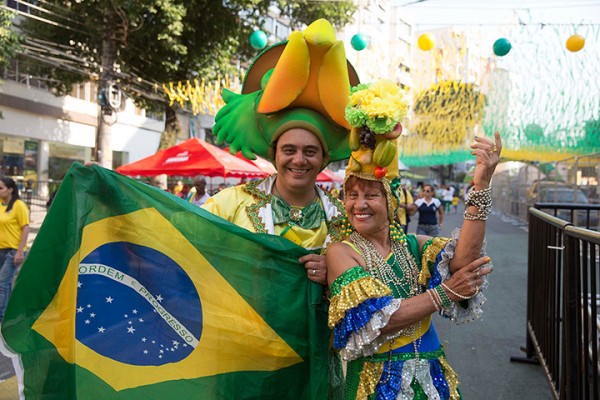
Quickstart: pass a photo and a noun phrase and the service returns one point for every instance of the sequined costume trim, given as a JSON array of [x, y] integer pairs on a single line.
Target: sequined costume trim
[[355, 286], [430, 378], [261, 198], [335, 224], [451, 378], [466, 311], [260, 217], [430, 251], [367, 340]]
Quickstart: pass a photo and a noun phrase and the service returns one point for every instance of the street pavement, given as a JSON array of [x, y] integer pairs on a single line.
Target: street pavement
[[479, 351]]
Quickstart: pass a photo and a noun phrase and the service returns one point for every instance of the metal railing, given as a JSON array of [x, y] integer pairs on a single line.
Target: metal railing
[[36, 194], [563, 298], [581, 215]]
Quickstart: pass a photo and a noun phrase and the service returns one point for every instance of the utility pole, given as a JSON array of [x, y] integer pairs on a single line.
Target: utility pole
[[103, 151]]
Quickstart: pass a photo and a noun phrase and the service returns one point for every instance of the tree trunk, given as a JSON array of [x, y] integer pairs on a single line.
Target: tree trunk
[[168, 137], [109, 56]]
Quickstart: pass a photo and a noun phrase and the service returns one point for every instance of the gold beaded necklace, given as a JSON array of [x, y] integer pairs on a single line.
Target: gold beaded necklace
[[380, 269]]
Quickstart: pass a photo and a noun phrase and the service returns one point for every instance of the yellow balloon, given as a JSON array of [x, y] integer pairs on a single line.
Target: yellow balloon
[[425, 42], [575, 43]]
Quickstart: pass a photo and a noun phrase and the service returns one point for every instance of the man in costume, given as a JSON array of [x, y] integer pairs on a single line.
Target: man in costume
[[384, 284], [291, 111]]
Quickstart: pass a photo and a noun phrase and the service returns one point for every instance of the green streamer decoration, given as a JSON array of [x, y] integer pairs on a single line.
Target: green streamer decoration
[[543, 99]]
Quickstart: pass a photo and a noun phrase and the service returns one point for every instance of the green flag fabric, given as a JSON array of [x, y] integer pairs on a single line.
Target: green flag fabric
[[129, 292]]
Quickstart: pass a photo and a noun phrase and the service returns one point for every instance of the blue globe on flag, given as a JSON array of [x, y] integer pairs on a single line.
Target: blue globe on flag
[[137, 306]]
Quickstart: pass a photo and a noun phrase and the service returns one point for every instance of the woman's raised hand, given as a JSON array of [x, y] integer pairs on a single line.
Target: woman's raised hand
[[487, 153]]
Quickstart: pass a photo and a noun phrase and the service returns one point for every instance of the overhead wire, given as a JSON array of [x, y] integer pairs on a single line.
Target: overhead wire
[[43, 10], [53, 54]]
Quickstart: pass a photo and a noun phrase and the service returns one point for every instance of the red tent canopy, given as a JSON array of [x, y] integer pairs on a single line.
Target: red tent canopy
[[189, 158], [328, 175]]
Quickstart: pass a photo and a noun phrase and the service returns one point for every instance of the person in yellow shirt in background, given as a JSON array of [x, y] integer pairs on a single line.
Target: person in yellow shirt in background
[[455, 201], [14, 230], [335, 192], [406, 207], [178, 188]]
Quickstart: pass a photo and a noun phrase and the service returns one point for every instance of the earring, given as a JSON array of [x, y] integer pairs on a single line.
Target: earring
[[396, 232], [347, 228]]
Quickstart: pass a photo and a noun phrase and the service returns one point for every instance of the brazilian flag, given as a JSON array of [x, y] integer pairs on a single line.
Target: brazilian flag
[[131, 293]]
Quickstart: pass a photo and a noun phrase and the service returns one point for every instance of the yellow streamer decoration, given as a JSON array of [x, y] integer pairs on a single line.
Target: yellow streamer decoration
[[201, 96], [447, 112]]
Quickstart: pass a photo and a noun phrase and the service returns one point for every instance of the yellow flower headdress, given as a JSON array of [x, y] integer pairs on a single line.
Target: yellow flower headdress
[[374, 112]]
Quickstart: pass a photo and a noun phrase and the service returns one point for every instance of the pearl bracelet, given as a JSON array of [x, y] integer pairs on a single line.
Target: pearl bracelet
[[435, 304], [460, 296]]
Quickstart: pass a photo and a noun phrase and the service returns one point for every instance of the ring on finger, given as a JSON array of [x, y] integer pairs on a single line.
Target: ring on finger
[[494, 148], [314, 272]]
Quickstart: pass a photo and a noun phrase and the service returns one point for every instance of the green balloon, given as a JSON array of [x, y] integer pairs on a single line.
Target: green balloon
[[501, 47], [359, 42], [258, 40]]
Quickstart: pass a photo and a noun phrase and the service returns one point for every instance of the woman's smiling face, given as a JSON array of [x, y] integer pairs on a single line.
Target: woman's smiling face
[[366, 206]]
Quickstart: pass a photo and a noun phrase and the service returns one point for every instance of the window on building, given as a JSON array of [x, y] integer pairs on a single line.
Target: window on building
[[15, 5], [61, 156], [403, 47], [119, 158], [12, 156], [159, 116]]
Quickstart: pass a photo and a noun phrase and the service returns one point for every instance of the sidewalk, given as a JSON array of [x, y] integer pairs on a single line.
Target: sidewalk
[[480, 351]]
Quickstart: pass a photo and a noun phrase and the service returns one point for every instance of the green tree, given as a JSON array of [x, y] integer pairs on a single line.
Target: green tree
[[9, 39], [138, 45]]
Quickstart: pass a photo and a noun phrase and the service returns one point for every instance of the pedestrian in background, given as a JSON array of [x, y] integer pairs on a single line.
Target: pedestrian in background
[[406, 207], [447, 196], [431, 213], [198, 194], [14, 230]]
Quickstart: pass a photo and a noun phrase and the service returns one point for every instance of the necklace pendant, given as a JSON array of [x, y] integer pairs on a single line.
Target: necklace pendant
[[295, 214]]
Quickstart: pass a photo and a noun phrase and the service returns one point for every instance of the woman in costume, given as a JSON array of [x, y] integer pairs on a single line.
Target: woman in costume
[[385, 285]]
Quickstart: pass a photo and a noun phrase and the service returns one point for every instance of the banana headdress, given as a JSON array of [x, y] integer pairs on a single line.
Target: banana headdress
[[375, 111], [303, 82]]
